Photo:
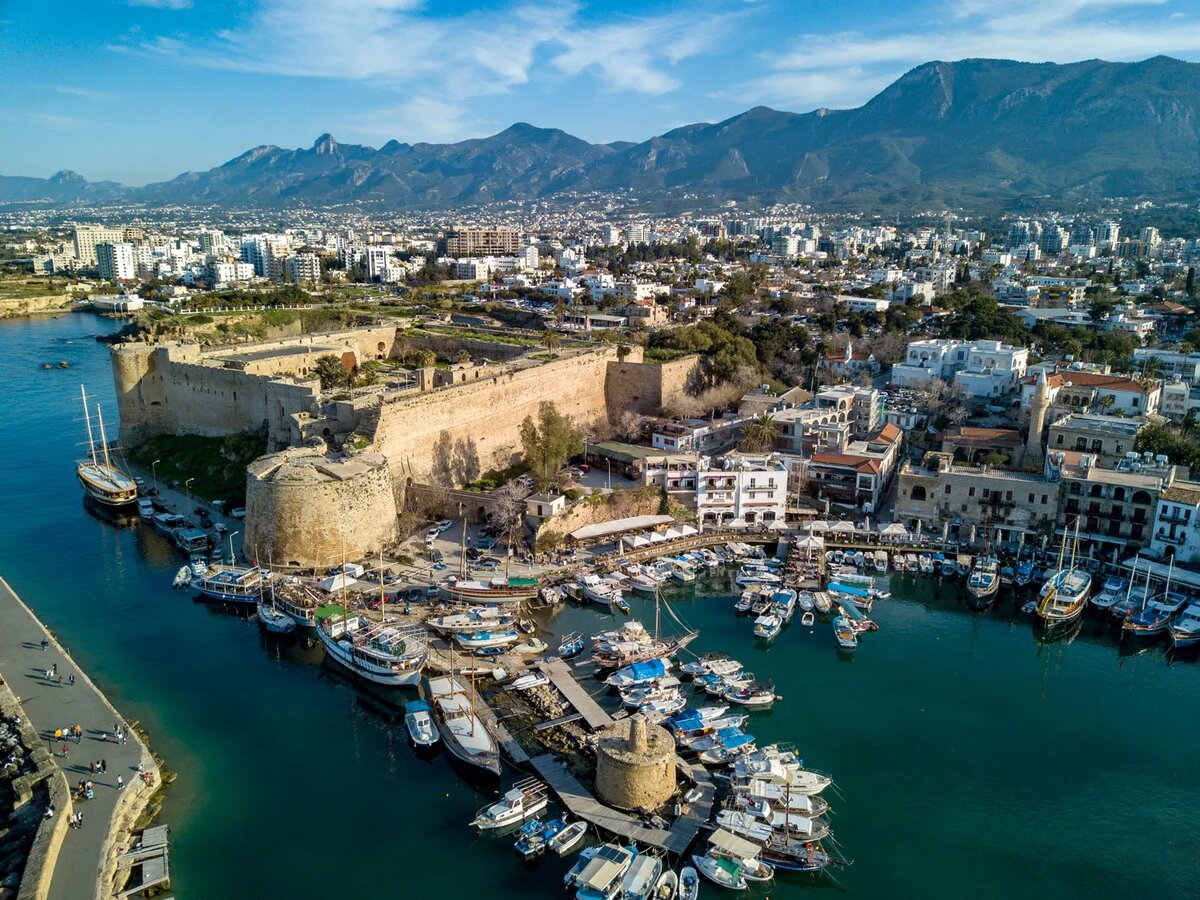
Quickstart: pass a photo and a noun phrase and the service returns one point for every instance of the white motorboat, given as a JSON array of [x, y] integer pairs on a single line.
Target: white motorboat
[[683, 571], [641, 877], [689, 884], [477, 618], [481, 640], [767, 627], [643, 693], [755, 695], [806, 601], [1185, 630], [599, 590], [564, 842], [527, 682], [641, 580], [183, 577], [418, 719], [744, 824], [380, 652], [660, 707], [146, 508], [524, 799], [716, 664], [639, 673], [723, 872], [601, 877]]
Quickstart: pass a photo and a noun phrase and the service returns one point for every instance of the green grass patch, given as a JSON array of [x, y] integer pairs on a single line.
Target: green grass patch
[[661, 354], [490, 480], [217, 465], [31, 288]]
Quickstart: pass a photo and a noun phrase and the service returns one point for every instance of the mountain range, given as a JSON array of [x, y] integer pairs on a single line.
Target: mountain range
[[956, 132]]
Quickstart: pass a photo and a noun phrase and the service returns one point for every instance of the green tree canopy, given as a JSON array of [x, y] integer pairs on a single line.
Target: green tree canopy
[[549, 442]]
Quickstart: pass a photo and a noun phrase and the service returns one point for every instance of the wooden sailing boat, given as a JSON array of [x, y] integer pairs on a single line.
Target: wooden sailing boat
[[1065, 592], [102, 481]]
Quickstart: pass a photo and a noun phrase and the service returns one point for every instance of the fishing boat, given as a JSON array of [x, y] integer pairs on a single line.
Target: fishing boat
[[570, 646], [693, 723], [418, 719], [767, 627], [564, 842], [723, 872], [462, 730], [1024, 573], [477, 618], [527, 682], [725, 754], [1185, 630], [794, 854], [645, 672], [524, 799], [823, 601], [601, 877], [497, 590], [746, 601], [1064, 595], [756, 695], [925, 564], [661, 687], [806, 601], [716, 685], [1155, 617], [229, 584], [711, 664], [1110, 593], [481, 640], [984, 580], [847, 637], [658, 708], [948, 568], [641, 877], [380, 652], [275, 621], [101, 480], [667, 886], [881, 561], [783, 604], [689, 884]]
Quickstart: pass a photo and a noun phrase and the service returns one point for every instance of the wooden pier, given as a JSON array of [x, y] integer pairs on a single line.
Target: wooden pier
[[582, 804], [560, 676]]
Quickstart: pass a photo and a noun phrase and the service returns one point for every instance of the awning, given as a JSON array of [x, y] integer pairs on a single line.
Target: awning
[[896, 529], [619, 526], [739, 522], [733, 845], [843, 526]]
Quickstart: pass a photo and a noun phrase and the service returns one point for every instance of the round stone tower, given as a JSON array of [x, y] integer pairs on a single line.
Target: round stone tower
[[635, 764]]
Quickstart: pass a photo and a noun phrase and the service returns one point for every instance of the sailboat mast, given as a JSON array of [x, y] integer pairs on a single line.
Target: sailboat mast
[[103, 436], [87, 418], [1062, 549], [382, 593], [657, 616], [1075, 544], [1170, 572], [1132, 575], [462, 547], [345, 610]]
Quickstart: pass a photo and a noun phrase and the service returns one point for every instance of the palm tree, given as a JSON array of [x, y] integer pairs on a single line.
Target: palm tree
[[551, 340], [1152, 368], [759, 434]]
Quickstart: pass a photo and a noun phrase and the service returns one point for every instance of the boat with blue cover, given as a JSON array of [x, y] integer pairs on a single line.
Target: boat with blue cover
[[639, 673]]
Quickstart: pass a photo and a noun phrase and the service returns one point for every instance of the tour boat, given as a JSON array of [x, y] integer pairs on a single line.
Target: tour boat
[[275, 621], [1110, 593], [1064, 595], [497, 590], [101, 480], [641, 580], [477, 618], [564, 842], [599, 590], [382, 652], [481, 640], [524, 799], [767, 627], [230, 584], [462, 730], [778, 796], [418, 719], [810, 828], [601, 877], [689, 884], [1185, 630], [641, 878], [984, 580], [846, 636]]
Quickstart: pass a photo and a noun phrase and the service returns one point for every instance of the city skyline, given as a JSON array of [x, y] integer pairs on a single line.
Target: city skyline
[[157, 87]]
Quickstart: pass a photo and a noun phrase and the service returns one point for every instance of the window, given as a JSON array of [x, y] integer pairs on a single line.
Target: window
[[964, 508], [1141, 497], [1096, 491], [1080, 443], [1058, 442], [1008, 496], [918, 492], [947, 489], [1044, 499], [970, 492], [1031, 496], [1097, 445]]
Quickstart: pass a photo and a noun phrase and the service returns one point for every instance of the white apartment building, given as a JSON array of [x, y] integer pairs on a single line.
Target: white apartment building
[[633, 291], [940, 275], [978, 369], [116, 261], [1172, 363], [226, 272], [303, 267], [88, 237], [379, 262], [749, 490], [1177, 522]]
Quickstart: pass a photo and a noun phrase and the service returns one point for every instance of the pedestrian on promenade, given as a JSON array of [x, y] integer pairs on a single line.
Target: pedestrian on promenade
[[58, 678], [91, 768], [64, 750], [54, 670], [45, 644], [50, 811], [120, 783], [58, 734], [71, 679], [49, 674], [78, 732], [104, 767], [79, 820]]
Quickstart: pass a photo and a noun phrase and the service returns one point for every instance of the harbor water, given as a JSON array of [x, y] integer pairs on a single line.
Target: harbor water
[[971, 759]]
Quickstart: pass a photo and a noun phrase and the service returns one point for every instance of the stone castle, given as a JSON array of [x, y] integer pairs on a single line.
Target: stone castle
[[340, 460]]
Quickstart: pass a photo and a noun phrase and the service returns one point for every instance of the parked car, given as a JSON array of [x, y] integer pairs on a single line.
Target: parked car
[[444, 525], [474, 553], [485, 543], [488, 565], [238, 512], [432, 534], [437, 556]]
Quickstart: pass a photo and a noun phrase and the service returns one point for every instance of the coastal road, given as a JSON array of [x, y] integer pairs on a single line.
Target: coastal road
[[49, 705]]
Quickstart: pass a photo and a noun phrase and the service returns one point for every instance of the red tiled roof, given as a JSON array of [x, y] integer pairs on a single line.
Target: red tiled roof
[[889, 433], [845, 461]]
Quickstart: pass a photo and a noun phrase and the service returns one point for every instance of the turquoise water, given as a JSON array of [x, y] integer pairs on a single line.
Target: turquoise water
[[972, 760]]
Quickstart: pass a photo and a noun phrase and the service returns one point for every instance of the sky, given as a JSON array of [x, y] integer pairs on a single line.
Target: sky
[[138, 91]]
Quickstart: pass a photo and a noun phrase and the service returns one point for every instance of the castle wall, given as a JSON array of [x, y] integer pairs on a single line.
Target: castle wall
[[646, 387]]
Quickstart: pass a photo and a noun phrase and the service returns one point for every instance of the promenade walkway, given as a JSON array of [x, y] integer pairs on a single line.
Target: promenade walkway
[[50, 705]]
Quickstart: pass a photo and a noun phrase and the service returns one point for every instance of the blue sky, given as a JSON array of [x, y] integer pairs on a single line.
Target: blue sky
[[140, 90]]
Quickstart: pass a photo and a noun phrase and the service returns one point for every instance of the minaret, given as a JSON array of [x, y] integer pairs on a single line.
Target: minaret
[[1038, 406]]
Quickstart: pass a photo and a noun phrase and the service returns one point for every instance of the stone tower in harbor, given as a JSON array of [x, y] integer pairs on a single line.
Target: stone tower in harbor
[[635, 764], [1034, 458]]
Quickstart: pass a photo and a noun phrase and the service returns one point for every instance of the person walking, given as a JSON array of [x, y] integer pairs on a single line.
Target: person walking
[[79, 819], [71, 679], [64, 750], [104, 767], [120, 783], [45, 644]]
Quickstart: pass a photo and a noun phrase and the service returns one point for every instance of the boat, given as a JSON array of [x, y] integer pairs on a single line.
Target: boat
[[101, 480], [723, 872], [847, 637], [527, 682], [948, 568], [778, 796], [641, 877], [229, 584], [1065, 592], [644, 672], [783, 604], [666, 705], [145, 508], [381, 652], [497, 590], [808, 619], [721, 756], [806, 601], [1185, 630], [599, 590], [667, 886], [683, 571], [756, 695], [601, 877], [962, 565], [784, 851], [524, 799], [477, 618], [711, 664], [823, 601], [462, 730], [1024, 573], [748, 575], [641, 579], [585, 856], [925, 564], [564, 842], [481, 640], [1006, 575], [275, 621], [767, 627], [183, 577], [689, 884], [639, 694], [571, 645], [621, 605], [984, 581], [418, 719], [881, 561], [787, 820], [1155, 617], [1110, 593]]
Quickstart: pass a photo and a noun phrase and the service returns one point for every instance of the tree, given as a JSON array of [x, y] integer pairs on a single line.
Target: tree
[[623, 350], [549, 443], [441, 469], [997, 459], [551, 340], [1189, 286], [331, 372], [1152, 368], [759, 433], [464, 356], [467, 467]]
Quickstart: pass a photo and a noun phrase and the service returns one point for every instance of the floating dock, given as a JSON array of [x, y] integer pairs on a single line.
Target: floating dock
[[583, 805], [560, 676]]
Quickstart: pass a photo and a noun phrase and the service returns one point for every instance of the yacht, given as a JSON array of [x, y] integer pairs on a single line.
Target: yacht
[[599, 590], [382, 653], [103, 481], [418, 719], [230, 584], [463, 732], [524, 799], [1111, 592], [984, 580], [1185, 630]]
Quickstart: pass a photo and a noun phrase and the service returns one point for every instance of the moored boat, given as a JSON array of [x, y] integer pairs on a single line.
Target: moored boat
[[418, 719], [102, 480], [846, 636], [1064, 595], [524, 799], [564, 842], [275, 621], [463, 733], [497, 590], [381, 652], [230, 584], [1185, 630]]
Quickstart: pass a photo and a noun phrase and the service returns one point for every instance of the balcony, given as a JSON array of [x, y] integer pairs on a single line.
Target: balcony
[[1168, 538], [1176, 516]]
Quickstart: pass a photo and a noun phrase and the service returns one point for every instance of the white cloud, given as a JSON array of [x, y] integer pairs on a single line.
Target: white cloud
[[85, 93], [432, 118], [847, 68], [161, 4]]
